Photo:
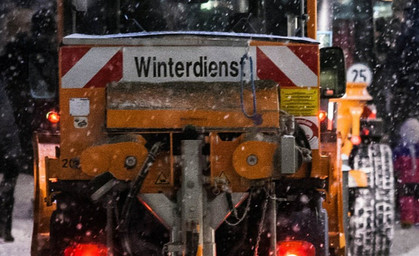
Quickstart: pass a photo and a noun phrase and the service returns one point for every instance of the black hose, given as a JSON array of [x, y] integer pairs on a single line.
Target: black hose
[[131, 198]]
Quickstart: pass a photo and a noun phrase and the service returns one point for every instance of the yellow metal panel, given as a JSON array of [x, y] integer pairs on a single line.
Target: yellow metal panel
[[160, 178], [312, 19], [320, 165], [254, 159], [177, 119], [221, 158], [75, 139], [175, 105], [333, 203], [111, 157]]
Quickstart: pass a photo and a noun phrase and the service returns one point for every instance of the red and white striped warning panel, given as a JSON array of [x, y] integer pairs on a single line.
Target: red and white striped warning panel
[[84, 67], [288, 65]]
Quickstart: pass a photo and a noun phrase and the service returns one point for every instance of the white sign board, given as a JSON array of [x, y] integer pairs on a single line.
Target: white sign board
[[79, 106], [359, 73], [168, 64]]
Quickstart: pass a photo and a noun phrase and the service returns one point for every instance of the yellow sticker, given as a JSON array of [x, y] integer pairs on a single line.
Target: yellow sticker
[[300, 102]]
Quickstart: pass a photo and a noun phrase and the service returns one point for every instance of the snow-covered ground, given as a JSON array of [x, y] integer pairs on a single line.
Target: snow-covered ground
[[22, 220], [406, 242]]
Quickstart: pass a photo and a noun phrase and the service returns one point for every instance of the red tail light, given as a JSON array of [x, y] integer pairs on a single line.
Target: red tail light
[[86, 250], [365, 131], [53, 117], [295, 248], [356, 140]]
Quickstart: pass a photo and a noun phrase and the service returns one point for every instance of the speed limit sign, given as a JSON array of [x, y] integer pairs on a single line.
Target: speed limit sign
[[359, 73]]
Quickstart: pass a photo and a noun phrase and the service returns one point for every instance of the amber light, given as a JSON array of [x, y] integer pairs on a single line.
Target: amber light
[[86, 250], [322, 115], [295, 248], [53, 117]]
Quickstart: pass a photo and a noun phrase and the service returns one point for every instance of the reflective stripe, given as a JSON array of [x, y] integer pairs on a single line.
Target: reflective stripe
[[88, 66], [291, 65]]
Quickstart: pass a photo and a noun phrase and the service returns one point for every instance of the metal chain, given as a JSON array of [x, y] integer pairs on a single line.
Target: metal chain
[[246, 210]]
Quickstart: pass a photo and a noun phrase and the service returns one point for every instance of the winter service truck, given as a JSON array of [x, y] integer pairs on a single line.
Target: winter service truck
[[192, 127]]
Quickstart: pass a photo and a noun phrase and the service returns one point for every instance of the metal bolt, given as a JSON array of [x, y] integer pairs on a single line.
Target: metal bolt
[[130, 162], [252, 160]]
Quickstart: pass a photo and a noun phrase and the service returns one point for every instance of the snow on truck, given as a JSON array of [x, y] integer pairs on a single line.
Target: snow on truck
[[208, 132]]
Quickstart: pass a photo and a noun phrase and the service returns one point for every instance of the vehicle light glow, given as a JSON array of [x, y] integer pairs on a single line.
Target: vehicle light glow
[[295, 248], [366, 132], [356, 140], [322, 115], [86, 250], [53, 117]]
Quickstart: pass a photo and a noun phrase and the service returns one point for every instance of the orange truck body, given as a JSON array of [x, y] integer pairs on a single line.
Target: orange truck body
[[117, 94]]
